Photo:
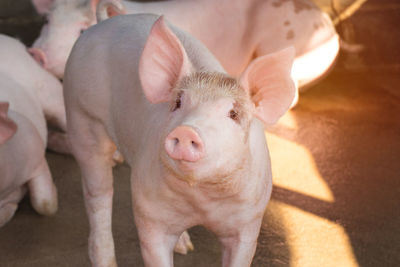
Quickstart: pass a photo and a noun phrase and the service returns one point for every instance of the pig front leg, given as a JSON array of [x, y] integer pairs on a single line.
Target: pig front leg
[[156, 244], [93, 151], [43, 192], [9, 205], [239, 249]]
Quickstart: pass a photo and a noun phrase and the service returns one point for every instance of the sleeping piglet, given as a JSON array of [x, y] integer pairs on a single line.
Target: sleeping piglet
[[192, 135], [23, 165]]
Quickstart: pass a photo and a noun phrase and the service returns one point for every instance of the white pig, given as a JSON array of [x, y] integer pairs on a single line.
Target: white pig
[[39, 84], [235, 31], [22, 153], [192, 135]]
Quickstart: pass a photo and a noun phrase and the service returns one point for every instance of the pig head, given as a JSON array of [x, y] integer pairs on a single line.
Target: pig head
[[65, 21]]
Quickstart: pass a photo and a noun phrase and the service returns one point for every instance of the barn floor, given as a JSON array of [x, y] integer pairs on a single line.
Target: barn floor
[[336, 169]]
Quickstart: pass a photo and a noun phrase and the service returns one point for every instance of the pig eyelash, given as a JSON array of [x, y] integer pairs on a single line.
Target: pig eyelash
[[178, 101]]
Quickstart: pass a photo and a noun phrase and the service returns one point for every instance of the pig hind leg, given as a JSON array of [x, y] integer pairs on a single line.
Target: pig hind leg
[[93, 150], [9, 205], [43, 192]]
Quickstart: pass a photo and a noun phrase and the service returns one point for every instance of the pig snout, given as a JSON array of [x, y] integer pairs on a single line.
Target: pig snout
[[184, 143], [39, 56]]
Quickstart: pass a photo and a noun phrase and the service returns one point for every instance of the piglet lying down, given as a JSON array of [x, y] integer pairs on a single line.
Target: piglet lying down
[[23, 165], [192, 135]]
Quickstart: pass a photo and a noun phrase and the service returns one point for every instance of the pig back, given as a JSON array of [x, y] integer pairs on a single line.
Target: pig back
[[21, 155], [24, 103]]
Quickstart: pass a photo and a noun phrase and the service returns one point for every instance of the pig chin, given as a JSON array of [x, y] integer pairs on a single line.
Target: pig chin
[[201, 171], [184, 170]]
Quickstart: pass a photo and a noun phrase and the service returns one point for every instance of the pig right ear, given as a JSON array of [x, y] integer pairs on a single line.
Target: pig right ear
[[268, 80], [7, 126], [163, 63], [42, 6]]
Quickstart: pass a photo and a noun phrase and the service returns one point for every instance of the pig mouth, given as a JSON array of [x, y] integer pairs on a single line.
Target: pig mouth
[[182, 169], [187, 167]]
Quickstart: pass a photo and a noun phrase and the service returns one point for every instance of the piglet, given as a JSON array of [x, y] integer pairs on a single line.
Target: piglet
[[22, 163], [192, 135], [235, 31], [38, 84]]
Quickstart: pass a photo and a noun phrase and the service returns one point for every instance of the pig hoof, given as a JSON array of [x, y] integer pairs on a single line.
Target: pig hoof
[[184, 244], [46, 208], [7, 212], [117, 158]]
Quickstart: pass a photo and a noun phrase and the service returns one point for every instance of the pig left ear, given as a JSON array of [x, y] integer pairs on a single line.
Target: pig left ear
[[42, 6], [163, 63], [268, 80], [7, 126]]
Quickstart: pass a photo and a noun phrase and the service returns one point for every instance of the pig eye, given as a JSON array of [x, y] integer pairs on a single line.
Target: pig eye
[[178, 101], [82, 31], [233, 114]]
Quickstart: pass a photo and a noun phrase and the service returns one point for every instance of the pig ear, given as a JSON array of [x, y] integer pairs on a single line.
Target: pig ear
[[270, 85], [42, 6], [162, 64], [109, 8], [93, 5], [7, 126]]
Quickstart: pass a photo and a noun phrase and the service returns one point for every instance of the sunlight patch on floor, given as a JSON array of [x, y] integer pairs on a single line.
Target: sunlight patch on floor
[[293, 168], [315, 241]]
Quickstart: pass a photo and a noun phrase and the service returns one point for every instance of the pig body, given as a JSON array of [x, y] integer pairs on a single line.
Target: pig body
[[39, 85], [23, 164], [36, 82], [197, 153], [235, 31]]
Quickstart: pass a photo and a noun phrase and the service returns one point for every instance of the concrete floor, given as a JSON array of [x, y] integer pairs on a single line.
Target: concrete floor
[[335, 160]]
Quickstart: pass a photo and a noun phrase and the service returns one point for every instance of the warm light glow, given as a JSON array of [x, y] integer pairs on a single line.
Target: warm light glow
[[300, 191], [315, 63], [314, 241], [288, 121], [296, 170]]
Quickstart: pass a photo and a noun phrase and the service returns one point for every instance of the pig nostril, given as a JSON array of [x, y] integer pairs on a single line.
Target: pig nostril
[[194, 144], [176, 141]]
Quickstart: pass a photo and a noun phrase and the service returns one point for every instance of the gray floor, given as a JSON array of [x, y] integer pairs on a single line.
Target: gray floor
[[335, 164]]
